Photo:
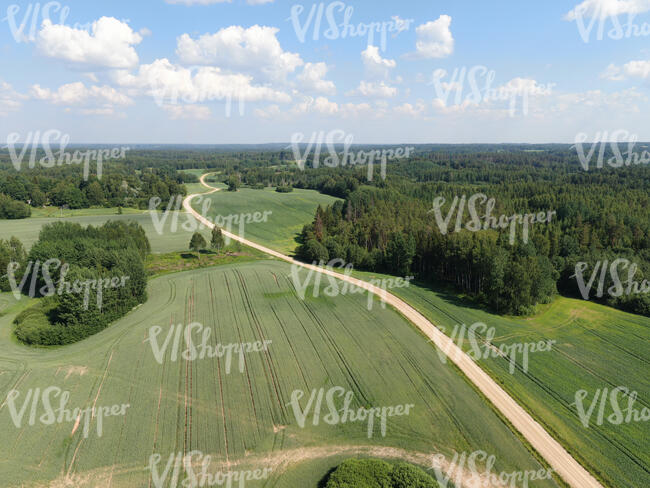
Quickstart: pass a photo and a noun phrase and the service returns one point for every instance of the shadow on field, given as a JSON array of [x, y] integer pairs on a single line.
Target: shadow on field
[[323, 482]]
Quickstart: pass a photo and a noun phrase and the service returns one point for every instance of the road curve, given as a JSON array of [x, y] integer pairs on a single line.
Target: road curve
[[555, 455]]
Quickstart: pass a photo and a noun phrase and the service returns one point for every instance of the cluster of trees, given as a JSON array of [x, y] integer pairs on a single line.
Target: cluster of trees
[[373, 473], [105, 278], [120, 186], [198, 242], [13, 209], [388, 226]]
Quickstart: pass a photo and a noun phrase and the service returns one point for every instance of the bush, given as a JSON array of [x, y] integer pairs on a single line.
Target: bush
[[284, 189], [361, 473], [374, 473], [13, 209]]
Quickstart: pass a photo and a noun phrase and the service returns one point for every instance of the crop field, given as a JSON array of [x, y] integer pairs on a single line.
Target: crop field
[[596, 347], [169, 240], [241, 418], [290, 212]]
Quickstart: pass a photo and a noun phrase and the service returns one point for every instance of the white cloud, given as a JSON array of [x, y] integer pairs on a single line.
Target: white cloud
[[434, 39], [188, 112], [9, 99], [109, 44], [78, 94], [376, 66], [607, 8], [253, 50], [622, 101], [374, 90], [272, 111], [312, 80], [319, 105], [171, 83], [411, 110], [633, 69]]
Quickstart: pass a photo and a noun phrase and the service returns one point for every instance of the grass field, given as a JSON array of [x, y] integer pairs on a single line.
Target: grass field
[[290, 212], [56, 212], [242, 419], [597, 347]]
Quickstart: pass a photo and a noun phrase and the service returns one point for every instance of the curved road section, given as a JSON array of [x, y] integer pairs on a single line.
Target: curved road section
[[555, 455]]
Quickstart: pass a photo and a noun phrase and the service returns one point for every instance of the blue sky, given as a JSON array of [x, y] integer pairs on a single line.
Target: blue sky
[[157, 72]]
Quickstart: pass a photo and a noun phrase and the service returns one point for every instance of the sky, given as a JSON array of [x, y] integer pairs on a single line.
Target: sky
[[262, 71]]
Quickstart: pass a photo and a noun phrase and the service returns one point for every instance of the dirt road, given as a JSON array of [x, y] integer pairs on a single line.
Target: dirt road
[[551, 450]]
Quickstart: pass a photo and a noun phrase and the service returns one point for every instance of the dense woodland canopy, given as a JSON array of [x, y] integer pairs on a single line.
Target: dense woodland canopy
[[75, 304], [123, 183], [386, 225]]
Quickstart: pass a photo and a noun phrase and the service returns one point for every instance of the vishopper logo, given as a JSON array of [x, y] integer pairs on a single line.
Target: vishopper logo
[[197, 87], [35, 141], [599, 406], [473, 86], [190, 224], [480, 339], [617, 289], [51, 415], [346, 157], [464, 471], [478, 223], [338, 18], [32, 18], [199, 349], [615, 140], [339, 287], [195, 468], [51, 287], [606, 15], [343, 414]]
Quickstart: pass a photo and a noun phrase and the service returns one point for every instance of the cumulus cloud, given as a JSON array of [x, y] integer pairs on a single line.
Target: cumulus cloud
[[374, 90], [253, 50], [375, 65], [633, 69], [109, 44], [319, 105], [78, 94], [311, 79], [410, 109], [187, 112], [434, 39], [169, 83], [607, 8], [10, 100]]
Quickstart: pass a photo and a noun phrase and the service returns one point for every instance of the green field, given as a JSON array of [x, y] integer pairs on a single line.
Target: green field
[[27, 230], [242, 418], [55, 212], [597, 347], [290, 212]]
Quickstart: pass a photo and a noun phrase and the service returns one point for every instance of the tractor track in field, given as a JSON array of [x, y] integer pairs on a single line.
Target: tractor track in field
[[570, 470]]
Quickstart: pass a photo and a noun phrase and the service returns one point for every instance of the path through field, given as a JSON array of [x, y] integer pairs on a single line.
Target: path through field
[[567, 467]]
